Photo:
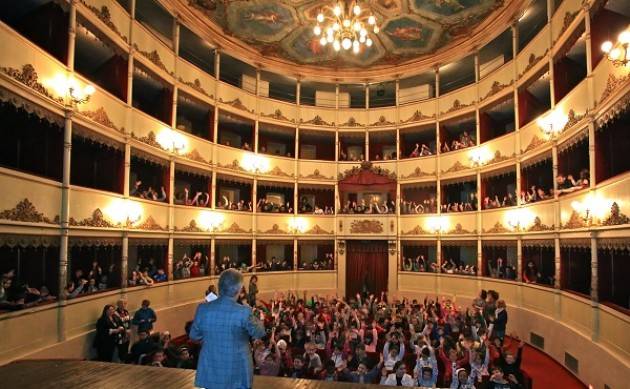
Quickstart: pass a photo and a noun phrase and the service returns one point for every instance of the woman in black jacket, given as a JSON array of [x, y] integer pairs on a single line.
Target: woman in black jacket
[[109, 330]]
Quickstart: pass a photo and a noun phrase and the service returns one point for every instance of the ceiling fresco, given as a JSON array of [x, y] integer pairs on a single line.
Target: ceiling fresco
[[284, 29]]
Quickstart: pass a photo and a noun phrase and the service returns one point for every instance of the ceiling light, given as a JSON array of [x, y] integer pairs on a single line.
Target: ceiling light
[[336, 45], [320, 18], [357, 10], [317, 30], [346, 43], [618, 52], [323, 41], [368, 42], [337, 10], [346, 25]]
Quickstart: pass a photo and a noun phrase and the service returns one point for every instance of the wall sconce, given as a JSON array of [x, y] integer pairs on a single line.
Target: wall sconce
[[255, 163], [298, 225], [479, 156], [618, 52], [211, 221], [438, 224], [171, 140], [592, 208], [519, 219], [553, 123], [125, 212], [71, 90]]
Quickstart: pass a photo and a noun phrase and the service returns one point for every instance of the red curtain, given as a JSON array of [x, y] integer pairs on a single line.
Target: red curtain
[[366, 265]]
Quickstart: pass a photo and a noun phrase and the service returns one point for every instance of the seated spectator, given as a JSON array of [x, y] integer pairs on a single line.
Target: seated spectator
[[144, 317], [531, 273]]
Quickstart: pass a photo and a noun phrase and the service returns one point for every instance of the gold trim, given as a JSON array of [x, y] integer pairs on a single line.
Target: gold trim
[[28, 76], [149, 139], [457, 166], [499, 158], [612, 84], [235, 165], [194, 155], [616, 217], [316, 175], [236, 103], [575, 221], [277, 115], [352, 122], [569, 17], [100, 116], [496, 88], [539, 226], [417, 116], [19, 102], [533, 61], [104, 16], [367, 165], [196, 85], [366, 227], [318, 121], [533, 144], [460, 230], [457, 105], [382, 121], [317, 230], [498, 228], [96, 220], [191, 227], [417, 230], [234, 228], [25, 211], [154, 57], [276, 171], [275, 229], [417, 173]]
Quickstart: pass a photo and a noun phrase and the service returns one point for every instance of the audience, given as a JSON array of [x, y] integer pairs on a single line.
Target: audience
[[328, 263], [420, 151], [464, 141], [449, 266], [418, 264], [499, 268], [149, 193], [567, 184], [415, 207], [352, 207], [265, 205], [275, 264], [225, 203], [16, 295], [200, 199], [306, 207], [187, 267], [535, 194], [509, 200]]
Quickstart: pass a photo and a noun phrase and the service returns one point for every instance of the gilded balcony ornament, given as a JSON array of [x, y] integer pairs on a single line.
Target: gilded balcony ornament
[[150, 224], [616, 217], [534, 143], [236, 103], [154, 57], [498, 228], [417, 116], [417, 173], [234, 228], [457, 166], [97, 220], [275, 229], [28, 76], [366, 227], [100, 116], [569, 17], [196, 85], [316, 175], [417, 230], [149, 139], [194, 155], [26, 212], [318, 121], [532, 61], [192, 227], [573, 119], [460, 230], [382, 121], [317, 230], [277, 115], [104, 16], [341, 247], [575, 221], [499, 158], [538, 226], [352, 122], [25, 105], [611, 113], [367, 165], [235, 165], [276, 171], [496, 88], [612, 84], [457, 105]]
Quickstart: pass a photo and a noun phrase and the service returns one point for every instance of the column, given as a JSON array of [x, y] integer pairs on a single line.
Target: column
[[213, 254], [124, 263], [254, 254], [519, 260], [213, 188], [169, 256], [557, 283], [592, 164], [367, 96], [594, 287], [72, 33], [295, 254], [65, 206], [257, 123], [295, 197], [479, 256]]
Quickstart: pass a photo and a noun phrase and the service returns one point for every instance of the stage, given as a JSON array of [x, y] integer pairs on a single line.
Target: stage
[[65, 374]]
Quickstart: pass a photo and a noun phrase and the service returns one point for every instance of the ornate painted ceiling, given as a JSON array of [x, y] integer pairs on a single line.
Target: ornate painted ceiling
[[410, 29]]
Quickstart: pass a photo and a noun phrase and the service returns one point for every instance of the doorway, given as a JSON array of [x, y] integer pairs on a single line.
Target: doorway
[[366, 267]]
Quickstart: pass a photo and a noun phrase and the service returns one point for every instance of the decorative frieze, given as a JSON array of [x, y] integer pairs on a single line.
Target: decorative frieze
[[316, 175], [194, 155], [96, 220], [460, 230], [104, 16], [26, 212], [318, 121], [498, 228], [496, 87], [417, 230], [148, 139], [532, 61], [100, 116], [499, 158], [417, 116], [538, 226], [150, 224], [457, 105], [191, 227], [352, 122], [32, 109], [616, 217], [417, 173], [367, 165], [366, 227], [575, 221], [277, 115], [317, 230], [196, 85], [28, 76], [276, 171], [234, 228], [382, 121], [275, 229], [569, 17], [237, 103], [154, 57], [615, 110], [612, 84], [457, 166], [235, 165]]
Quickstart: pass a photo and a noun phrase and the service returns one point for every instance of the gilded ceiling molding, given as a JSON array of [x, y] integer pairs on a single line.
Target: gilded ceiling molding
[[352, 122], [100, 116], [615, 110], [234, 228], [367, 165], [194, 155], [316, 175], [575, 221], [150, 224], [25, 212], [498, 228], [97, 220], [616, 217], [236, 103], [28, 76], [417, 173], [417, 230], [105, 17], [539, 226], [417, 116], [154, 57], [276, 171], [191, 227], [612, 84], [457, 105], [318, 121], [235, 165], [196, 85], [533, 61], [496, 88], [366, 227], [382, 121], [275, 229], [460, 230], [18, 102], [457, 166], [149, 139], [317, 230], [277, 115], [534, 143]]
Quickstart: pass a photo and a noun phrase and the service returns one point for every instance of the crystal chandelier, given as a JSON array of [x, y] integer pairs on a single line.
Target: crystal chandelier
[[618, 52], [345, 26]]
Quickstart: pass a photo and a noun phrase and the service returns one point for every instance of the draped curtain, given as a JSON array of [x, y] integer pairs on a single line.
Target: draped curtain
[[366, 264]]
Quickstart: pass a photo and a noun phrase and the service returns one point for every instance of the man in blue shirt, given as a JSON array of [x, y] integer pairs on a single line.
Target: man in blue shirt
[[144, 317]]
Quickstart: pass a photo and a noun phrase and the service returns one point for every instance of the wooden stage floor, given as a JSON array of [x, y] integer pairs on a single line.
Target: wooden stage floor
[[65, 374]]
